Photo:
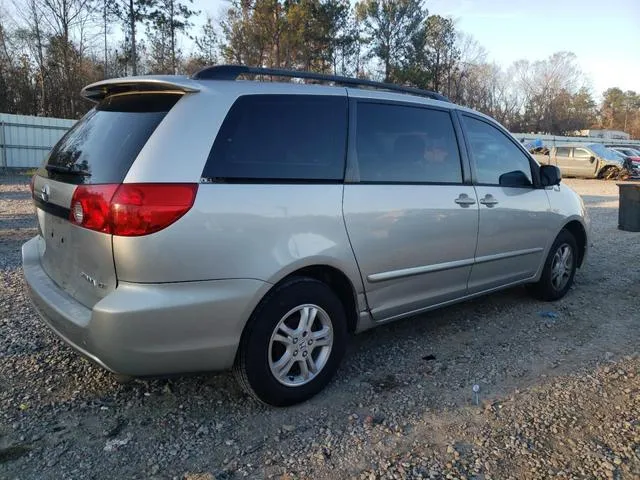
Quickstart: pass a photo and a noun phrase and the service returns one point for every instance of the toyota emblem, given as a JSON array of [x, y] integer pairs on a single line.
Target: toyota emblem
[[45, 192]]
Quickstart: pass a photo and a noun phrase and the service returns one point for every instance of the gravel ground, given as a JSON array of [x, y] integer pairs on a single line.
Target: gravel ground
[[559, 397]]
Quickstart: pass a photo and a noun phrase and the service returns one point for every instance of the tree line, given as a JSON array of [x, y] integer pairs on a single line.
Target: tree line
[[50, 49]]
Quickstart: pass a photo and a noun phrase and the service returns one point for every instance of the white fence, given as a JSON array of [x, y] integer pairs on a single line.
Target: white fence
[[553, 140], [25, 140]]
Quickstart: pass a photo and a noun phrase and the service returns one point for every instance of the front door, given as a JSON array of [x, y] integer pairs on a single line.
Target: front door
[[564, 161], [412, 222], [584, 162], [515, 216]]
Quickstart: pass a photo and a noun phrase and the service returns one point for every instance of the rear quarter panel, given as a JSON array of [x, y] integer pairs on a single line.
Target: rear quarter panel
[[257, 231]]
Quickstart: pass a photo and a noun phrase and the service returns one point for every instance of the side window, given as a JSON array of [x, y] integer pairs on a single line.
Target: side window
[[281, 137], [563, 151], [498, 160], [581, 153], [404, 144]]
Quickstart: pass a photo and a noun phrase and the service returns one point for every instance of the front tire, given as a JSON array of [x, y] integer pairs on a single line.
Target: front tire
[[293, 343], [559, 269], [609, 173]]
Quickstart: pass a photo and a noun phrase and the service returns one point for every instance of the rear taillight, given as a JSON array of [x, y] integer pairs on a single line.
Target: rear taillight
[[90, 207], [31, 184], [140, 209], [131, 209]]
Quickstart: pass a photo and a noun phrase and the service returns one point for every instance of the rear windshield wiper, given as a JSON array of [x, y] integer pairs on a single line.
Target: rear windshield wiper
[[67, 170]]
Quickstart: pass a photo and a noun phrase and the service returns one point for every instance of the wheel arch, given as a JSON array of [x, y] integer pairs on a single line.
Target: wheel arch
[[577, 229], [333, 276], [338, 281]]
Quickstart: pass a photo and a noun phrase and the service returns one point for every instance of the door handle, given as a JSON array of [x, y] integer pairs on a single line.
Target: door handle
[[489, 201], [465, 200]]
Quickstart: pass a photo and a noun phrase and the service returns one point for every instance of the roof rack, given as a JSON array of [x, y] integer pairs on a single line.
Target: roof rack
[[232, 72]]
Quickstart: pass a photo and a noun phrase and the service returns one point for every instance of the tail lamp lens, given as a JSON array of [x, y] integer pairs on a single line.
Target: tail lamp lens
[[131, 209]]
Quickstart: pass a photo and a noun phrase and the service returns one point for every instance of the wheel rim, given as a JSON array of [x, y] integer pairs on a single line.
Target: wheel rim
[[562, 266], [300, 345]]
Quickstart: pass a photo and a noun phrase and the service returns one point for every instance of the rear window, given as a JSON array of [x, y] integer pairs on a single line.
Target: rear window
[[281, 138], [102, 146]]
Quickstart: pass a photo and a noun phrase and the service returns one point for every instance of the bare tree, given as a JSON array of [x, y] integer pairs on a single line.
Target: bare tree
[[541, 83]]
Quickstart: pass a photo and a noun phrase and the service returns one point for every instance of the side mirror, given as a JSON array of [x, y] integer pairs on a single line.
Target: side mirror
[[550, 175], [592, 159], [517, 178]]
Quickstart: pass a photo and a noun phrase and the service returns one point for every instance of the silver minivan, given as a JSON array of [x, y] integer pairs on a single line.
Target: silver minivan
[[204, 223]]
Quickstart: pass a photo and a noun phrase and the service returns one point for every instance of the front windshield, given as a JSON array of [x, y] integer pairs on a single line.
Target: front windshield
[[604, 152]]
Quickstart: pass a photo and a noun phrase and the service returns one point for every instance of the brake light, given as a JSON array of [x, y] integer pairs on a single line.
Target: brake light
[[32, 184], [140, 209], [131, 209]]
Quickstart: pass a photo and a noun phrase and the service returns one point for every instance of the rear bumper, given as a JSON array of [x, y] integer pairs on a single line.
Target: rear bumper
[[149, 329]]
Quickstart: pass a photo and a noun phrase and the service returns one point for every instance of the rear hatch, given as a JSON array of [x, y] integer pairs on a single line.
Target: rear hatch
[[93, 156]]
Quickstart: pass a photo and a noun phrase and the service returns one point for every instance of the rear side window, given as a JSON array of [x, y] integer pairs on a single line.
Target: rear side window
[[562, 151], [103, 145], [403, 144], [281, 138]]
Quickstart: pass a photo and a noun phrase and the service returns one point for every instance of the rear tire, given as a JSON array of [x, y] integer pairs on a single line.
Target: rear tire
[[299, 327], [559, 269]]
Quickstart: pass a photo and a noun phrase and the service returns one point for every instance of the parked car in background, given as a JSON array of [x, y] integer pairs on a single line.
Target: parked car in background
[[592, 160], [198, 224], [630, 153], [627, 151], [635, 148], [631, 160]]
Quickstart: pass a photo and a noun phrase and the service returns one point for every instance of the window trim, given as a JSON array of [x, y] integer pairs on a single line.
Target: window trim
[[204, 179], [533, 165], [352, 174]]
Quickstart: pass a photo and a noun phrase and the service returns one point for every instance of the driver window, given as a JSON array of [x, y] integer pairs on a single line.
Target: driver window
[[497, 159], [581, 153]]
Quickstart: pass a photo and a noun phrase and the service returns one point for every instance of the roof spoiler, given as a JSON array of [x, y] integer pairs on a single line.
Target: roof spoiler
[[160, 83]]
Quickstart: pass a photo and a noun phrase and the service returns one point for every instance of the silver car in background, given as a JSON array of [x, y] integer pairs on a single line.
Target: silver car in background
[[204, 223], [586, 160]]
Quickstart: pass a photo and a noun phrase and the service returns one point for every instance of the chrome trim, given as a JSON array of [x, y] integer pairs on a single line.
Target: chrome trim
[[409, 272], [452, 302], [489, 201], [502, 256]]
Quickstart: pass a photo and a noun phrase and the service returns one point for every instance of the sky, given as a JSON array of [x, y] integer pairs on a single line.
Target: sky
[[604, 34]]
